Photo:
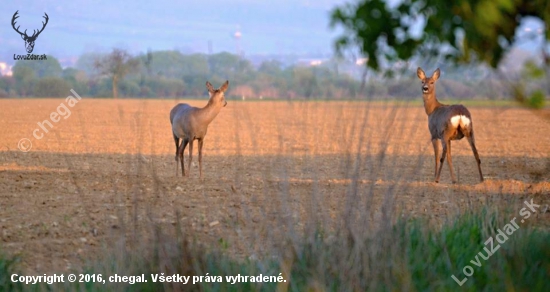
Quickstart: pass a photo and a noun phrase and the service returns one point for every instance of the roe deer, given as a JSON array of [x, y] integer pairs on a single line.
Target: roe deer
[[446, 123], [190, 123]]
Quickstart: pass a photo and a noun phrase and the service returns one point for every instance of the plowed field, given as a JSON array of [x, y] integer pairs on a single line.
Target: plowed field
[[270, 169]]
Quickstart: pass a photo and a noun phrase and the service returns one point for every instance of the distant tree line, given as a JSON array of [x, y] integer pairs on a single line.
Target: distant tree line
[[170, 74]]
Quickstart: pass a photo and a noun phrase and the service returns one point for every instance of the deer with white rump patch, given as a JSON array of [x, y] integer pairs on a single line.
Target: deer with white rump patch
[[191, 123], [446, 123]]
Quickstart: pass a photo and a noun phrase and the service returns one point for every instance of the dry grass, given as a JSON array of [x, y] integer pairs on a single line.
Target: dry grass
[[274, 172]]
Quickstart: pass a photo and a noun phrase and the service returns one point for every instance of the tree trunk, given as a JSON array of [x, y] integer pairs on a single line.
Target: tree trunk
[[115, 86]]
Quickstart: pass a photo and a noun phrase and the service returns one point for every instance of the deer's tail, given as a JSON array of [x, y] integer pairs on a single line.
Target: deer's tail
[[462, 121]]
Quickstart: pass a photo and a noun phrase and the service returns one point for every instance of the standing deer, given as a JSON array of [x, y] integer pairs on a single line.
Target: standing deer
[[191, 123], [446, 123]]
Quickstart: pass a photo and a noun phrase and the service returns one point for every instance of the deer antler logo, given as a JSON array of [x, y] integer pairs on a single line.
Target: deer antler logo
[[29, 40]]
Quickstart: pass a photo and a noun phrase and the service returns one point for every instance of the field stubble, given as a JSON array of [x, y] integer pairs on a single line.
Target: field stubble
[[106, 174]]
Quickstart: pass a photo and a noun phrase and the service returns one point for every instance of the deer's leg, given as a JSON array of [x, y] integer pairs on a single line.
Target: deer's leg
[[201, 142], [190, 155], [435, 142], [450, 161], [177, 140], [181, 149], [443, 154], [472, 142]]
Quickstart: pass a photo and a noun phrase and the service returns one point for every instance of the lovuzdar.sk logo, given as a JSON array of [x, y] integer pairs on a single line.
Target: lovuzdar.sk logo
[[29, 40]]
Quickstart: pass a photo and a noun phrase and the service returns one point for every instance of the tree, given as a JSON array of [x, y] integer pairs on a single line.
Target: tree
[[86, 62], [163, 63], [51, 87], [486, 27], [116, 65], [161, 86], [305, 82], [25, 79], [223, 64], [77, 80], [7, 86], [459, 30], [272, 67], [195, 72], [41, 68], [228, 66]]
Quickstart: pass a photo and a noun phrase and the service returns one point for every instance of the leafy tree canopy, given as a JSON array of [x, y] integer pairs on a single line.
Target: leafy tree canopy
[[116, 65], [42, 68], [480, 29]]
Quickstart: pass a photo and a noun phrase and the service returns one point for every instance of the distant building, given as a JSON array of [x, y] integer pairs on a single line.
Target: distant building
[[68, 62], [5, 69], [361, 61], [310, 62]]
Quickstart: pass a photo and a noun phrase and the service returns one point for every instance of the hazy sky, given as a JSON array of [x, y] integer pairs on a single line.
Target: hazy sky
[[286, 27], [267, 27]]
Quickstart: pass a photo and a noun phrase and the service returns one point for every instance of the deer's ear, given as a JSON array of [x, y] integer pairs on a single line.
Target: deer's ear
[[420, 73], [225, 86], [209, 87], [436, 74]]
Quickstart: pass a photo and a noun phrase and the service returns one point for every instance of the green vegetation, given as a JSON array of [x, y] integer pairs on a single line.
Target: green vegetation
[[460, 31], [8, 267], [116, 65], [410, 255], [171, 74], [480, 30]]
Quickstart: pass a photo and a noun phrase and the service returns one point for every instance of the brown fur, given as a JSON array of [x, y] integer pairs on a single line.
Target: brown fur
[[191, 123], [441, 128]]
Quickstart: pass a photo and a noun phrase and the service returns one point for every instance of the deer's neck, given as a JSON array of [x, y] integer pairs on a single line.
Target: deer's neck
[[210, 111], [430, 103]]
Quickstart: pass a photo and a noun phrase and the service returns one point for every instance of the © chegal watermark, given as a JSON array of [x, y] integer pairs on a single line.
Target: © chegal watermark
[[501, 237], [62, 111]]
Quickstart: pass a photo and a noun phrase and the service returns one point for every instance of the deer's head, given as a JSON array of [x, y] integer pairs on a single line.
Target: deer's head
[[217, 95], [428, 83], [29, 40]]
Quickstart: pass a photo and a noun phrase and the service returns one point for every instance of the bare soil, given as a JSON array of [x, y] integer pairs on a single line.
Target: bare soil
[[270, 169]]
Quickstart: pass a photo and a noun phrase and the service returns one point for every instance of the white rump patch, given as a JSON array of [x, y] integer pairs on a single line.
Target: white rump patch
[[461, 120]]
